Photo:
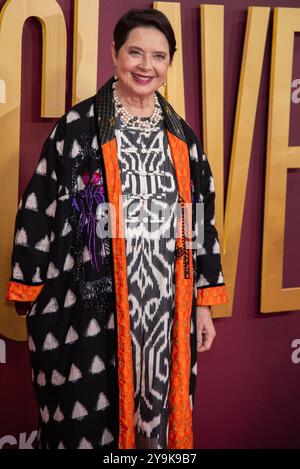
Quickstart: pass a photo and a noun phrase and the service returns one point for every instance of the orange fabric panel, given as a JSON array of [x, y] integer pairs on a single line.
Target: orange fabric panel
[[180, 413], [125, 367], [20, 292], [212, 296]]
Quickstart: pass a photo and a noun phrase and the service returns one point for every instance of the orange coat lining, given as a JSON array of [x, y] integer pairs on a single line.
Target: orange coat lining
[[125, 367], [180, 417], [20, 292], [212, 296]]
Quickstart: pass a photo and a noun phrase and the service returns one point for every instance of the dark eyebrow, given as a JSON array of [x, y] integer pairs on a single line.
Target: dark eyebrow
[[139, 48], [136, 47]]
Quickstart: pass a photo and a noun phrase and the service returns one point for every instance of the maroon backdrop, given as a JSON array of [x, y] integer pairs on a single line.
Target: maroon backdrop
[[248, 385]]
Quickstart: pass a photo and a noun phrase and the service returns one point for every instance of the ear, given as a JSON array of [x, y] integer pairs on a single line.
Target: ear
[[113, 53]]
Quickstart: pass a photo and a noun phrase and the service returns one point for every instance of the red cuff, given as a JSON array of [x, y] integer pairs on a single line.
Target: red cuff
[[212, 296], [20, 292]]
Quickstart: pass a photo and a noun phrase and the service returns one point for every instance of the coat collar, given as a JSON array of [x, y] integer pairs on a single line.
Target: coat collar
[[105, 112]]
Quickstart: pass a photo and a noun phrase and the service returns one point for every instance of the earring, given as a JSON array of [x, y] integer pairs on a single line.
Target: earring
[[115, 75], [164, 84]]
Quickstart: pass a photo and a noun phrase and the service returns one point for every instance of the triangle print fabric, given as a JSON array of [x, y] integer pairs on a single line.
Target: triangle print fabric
[[65, 269], [71, 324]]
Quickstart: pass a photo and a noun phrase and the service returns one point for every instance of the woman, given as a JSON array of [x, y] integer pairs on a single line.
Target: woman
[[117, 294]]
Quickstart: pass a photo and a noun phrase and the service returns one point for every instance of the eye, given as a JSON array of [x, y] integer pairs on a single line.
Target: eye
[[159, 56], [134, 52]]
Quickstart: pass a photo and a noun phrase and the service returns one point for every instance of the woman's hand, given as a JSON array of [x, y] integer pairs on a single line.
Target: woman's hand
[[206, 331]]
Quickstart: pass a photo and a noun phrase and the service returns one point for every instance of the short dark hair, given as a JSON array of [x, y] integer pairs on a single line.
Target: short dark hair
[[149, 18]]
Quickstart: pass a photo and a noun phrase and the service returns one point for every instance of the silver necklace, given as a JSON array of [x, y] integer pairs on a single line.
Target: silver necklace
[[135, 121]]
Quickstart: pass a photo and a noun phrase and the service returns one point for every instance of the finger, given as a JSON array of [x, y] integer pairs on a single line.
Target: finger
[[200, 339], [207, 343]]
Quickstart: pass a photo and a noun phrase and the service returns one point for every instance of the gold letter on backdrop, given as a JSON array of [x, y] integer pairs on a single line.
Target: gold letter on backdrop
[[13, 15], [212, 62], [86, 42], [280, 157], [254, 47], [174, 91], [2, 92]]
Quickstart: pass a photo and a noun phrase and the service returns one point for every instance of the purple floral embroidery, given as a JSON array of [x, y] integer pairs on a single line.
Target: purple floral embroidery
[[86, 203]]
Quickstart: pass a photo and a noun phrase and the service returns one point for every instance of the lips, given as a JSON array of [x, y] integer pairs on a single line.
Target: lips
[[142, 79]]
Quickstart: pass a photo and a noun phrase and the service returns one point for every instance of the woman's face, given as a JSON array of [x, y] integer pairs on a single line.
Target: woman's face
[[143, 61]]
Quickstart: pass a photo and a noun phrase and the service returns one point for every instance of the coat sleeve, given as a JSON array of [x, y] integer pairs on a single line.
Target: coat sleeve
[[34, 226], [211, 288]]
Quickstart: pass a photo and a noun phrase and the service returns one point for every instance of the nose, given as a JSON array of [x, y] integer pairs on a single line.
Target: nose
[[146, 63]]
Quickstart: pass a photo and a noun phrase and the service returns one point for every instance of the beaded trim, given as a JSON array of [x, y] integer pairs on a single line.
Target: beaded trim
[[183, 251]]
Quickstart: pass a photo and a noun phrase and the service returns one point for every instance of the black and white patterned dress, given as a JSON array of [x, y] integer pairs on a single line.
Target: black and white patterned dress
[[150, 201]]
